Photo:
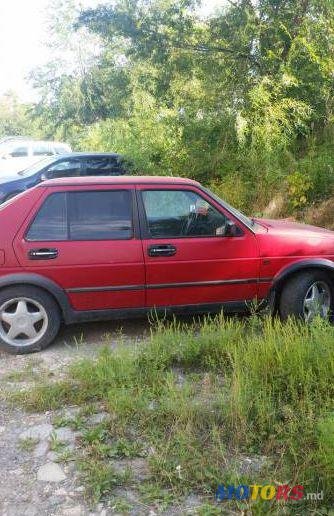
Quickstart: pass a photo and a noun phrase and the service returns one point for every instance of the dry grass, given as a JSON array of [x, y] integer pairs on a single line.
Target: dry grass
[[321, 214]]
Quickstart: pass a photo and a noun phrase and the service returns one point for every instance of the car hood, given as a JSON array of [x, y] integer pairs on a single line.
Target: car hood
[[284, 238], [287, 226]]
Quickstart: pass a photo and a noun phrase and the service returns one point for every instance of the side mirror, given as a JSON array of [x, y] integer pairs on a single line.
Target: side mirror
[[231, 229], [43, 177]]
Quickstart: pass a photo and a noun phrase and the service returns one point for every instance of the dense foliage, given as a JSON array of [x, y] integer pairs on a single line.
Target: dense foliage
[[15, 118], [242, 99]]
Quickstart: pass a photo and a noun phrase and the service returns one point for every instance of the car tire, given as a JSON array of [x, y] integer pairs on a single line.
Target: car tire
[[307, 295], [29, 319]]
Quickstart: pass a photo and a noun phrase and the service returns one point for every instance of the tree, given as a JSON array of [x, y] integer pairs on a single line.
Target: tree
[[15, 117], [234, 95]]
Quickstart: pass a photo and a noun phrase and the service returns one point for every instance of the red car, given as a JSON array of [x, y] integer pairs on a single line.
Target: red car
[[83, 249]]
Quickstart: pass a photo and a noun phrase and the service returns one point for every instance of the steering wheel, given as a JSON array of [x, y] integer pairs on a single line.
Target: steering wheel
[[191, 220]]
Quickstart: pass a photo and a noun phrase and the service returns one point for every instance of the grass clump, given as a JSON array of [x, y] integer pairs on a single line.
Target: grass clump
[[28, 444], [100, 478], [195, 400]]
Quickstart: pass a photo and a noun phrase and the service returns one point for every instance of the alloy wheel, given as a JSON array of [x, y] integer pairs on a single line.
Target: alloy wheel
[[317, 301], [23, 321]]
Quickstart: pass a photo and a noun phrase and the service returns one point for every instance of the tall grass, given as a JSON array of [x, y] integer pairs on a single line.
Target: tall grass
[[204, 397]]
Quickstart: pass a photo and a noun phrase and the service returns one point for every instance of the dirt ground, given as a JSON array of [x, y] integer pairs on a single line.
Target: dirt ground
[[32, 481]]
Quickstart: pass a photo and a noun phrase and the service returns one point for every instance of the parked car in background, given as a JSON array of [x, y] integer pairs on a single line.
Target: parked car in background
[[67, 165], [18, 154], [83, 249], [7, 139]]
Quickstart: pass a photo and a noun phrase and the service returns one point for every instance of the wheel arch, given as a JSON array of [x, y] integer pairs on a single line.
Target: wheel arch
[[49, 286], [291, 270]]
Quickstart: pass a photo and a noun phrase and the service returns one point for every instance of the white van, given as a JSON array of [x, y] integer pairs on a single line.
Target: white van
[[17, 155]]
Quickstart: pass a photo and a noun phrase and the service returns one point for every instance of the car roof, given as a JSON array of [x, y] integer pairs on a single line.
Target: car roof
[[48, 142], [111, 180], [87, 155], [12, 138], [27, 141]]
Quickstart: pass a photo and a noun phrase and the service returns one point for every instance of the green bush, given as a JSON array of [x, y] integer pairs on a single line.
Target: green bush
[[317, 169]]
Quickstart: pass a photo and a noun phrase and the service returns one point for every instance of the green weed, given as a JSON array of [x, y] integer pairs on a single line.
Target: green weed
[[195, 399], [28, 444]]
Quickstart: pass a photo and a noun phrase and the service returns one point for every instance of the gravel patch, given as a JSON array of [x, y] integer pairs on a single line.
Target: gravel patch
[[32, 481]]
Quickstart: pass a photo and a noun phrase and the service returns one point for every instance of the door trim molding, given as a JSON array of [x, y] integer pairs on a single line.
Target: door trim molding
[[79, 290], [154, 286]]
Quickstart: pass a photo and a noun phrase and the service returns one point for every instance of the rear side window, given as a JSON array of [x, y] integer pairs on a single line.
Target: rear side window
[[105, 215], [19, 152], [100, 215], [50, 222]]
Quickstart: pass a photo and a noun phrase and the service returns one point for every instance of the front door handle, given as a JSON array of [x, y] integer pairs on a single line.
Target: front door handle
[[43, 254], [161, 250]]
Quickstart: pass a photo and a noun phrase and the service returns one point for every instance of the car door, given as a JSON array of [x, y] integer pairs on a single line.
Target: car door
[[188, 259], [86, 240]]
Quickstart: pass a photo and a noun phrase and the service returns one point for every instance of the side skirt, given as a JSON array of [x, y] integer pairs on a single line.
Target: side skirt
[[76, 316]]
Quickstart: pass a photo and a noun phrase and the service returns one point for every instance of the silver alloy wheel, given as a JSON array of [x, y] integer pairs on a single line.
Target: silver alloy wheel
[[317, 301], [23, 321]]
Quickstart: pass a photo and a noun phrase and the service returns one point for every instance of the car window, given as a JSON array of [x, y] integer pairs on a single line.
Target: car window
[[42, 150], [104, 215], [61, 150], [181, 213], [38, 167], [50, 222], [65, 168], [100, 215], [19, 152], [102, 166], [238, 214]]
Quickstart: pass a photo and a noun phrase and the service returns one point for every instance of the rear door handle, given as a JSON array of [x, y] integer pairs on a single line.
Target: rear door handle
[[42, 254], [161, 250]]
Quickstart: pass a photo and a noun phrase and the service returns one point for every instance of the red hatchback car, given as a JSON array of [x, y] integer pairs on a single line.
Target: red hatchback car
[[112, 247]]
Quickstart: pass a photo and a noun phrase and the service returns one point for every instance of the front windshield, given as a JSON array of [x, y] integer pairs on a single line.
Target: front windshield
[[246, 220], [38, 166]]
